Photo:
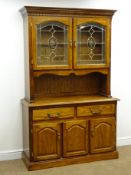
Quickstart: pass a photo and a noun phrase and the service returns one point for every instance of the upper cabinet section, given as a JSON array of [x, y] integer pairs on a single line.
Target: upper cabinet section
[[68, 39], [51, 37]]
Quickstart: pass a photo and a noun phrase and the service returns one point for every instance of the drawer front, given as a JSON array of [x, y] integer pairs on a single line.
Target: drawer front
[[95, 110], [53, 113]]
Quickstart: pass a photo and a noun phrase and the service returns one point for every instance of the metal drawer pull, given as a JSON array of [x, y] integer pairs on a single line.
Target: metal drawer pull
[[53, 115], [95, 111]]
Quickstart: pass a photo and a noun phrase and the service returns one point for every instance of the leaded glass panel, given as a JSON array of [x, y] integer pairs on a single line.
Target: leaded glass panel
[[90, 44], [52, 44]]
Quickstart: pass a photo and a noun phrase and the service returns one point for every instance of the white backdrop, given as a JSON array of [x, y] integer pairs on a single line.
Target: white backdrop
[[12, 67]]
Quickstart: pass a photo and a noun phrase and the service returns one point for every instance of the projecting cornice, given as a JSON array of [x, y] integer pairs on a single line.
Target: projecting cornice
[[32, 10]]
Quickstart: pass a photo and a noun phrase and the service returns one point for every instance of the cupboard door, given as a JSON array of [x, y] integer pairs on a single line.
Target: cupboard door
[[91, 42], [46, 141], [102, 135], [52, 42], [75, 138]]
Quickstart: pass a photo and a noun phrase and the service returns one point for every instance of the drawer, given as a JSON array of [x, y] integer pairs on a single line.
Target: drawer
[[95, 110], [53, 113]]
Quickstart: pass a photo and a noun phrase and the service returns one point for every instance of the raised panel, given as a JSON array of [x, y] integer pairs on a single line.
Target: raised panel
[[75, 138], [46, 141], [102, 135]]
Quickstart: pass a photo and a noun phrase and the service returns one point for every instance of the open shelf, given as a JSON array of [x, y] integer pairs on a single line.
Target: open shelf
[[72, 85]]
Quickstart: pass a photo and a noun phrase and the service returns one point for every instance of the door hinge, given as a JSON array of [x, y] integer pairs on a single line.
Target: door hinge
[[32, 154]]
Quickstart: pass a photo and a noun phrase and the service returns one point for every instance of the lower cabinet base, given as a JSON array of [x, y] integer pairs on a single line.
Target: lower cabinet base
[[68, 161]]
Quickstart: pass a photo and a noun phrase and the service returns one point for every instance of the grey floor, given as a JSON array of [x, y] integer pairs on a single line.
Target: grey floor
[[121, 166]]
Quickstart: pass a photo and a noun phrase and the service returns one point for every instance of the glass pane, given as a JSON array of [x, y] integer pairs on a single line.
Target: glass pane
[[52, 44], [90, 44]]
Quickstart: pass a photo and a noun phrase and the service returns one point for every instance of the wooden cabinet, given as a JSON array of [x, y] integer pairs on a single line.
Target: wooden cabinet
[[69, 115]]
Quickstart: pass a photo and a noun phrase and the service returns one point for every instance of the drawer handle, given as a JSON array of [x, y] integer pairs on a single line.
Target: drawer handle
[[95, 111], [53, 115]]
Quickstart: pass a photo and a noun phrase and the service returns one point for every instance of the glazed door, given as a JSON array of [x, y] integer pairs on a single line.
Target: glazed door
[[102, 135], [51, 42], [75, 138], [91, 42], [46, 141]]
